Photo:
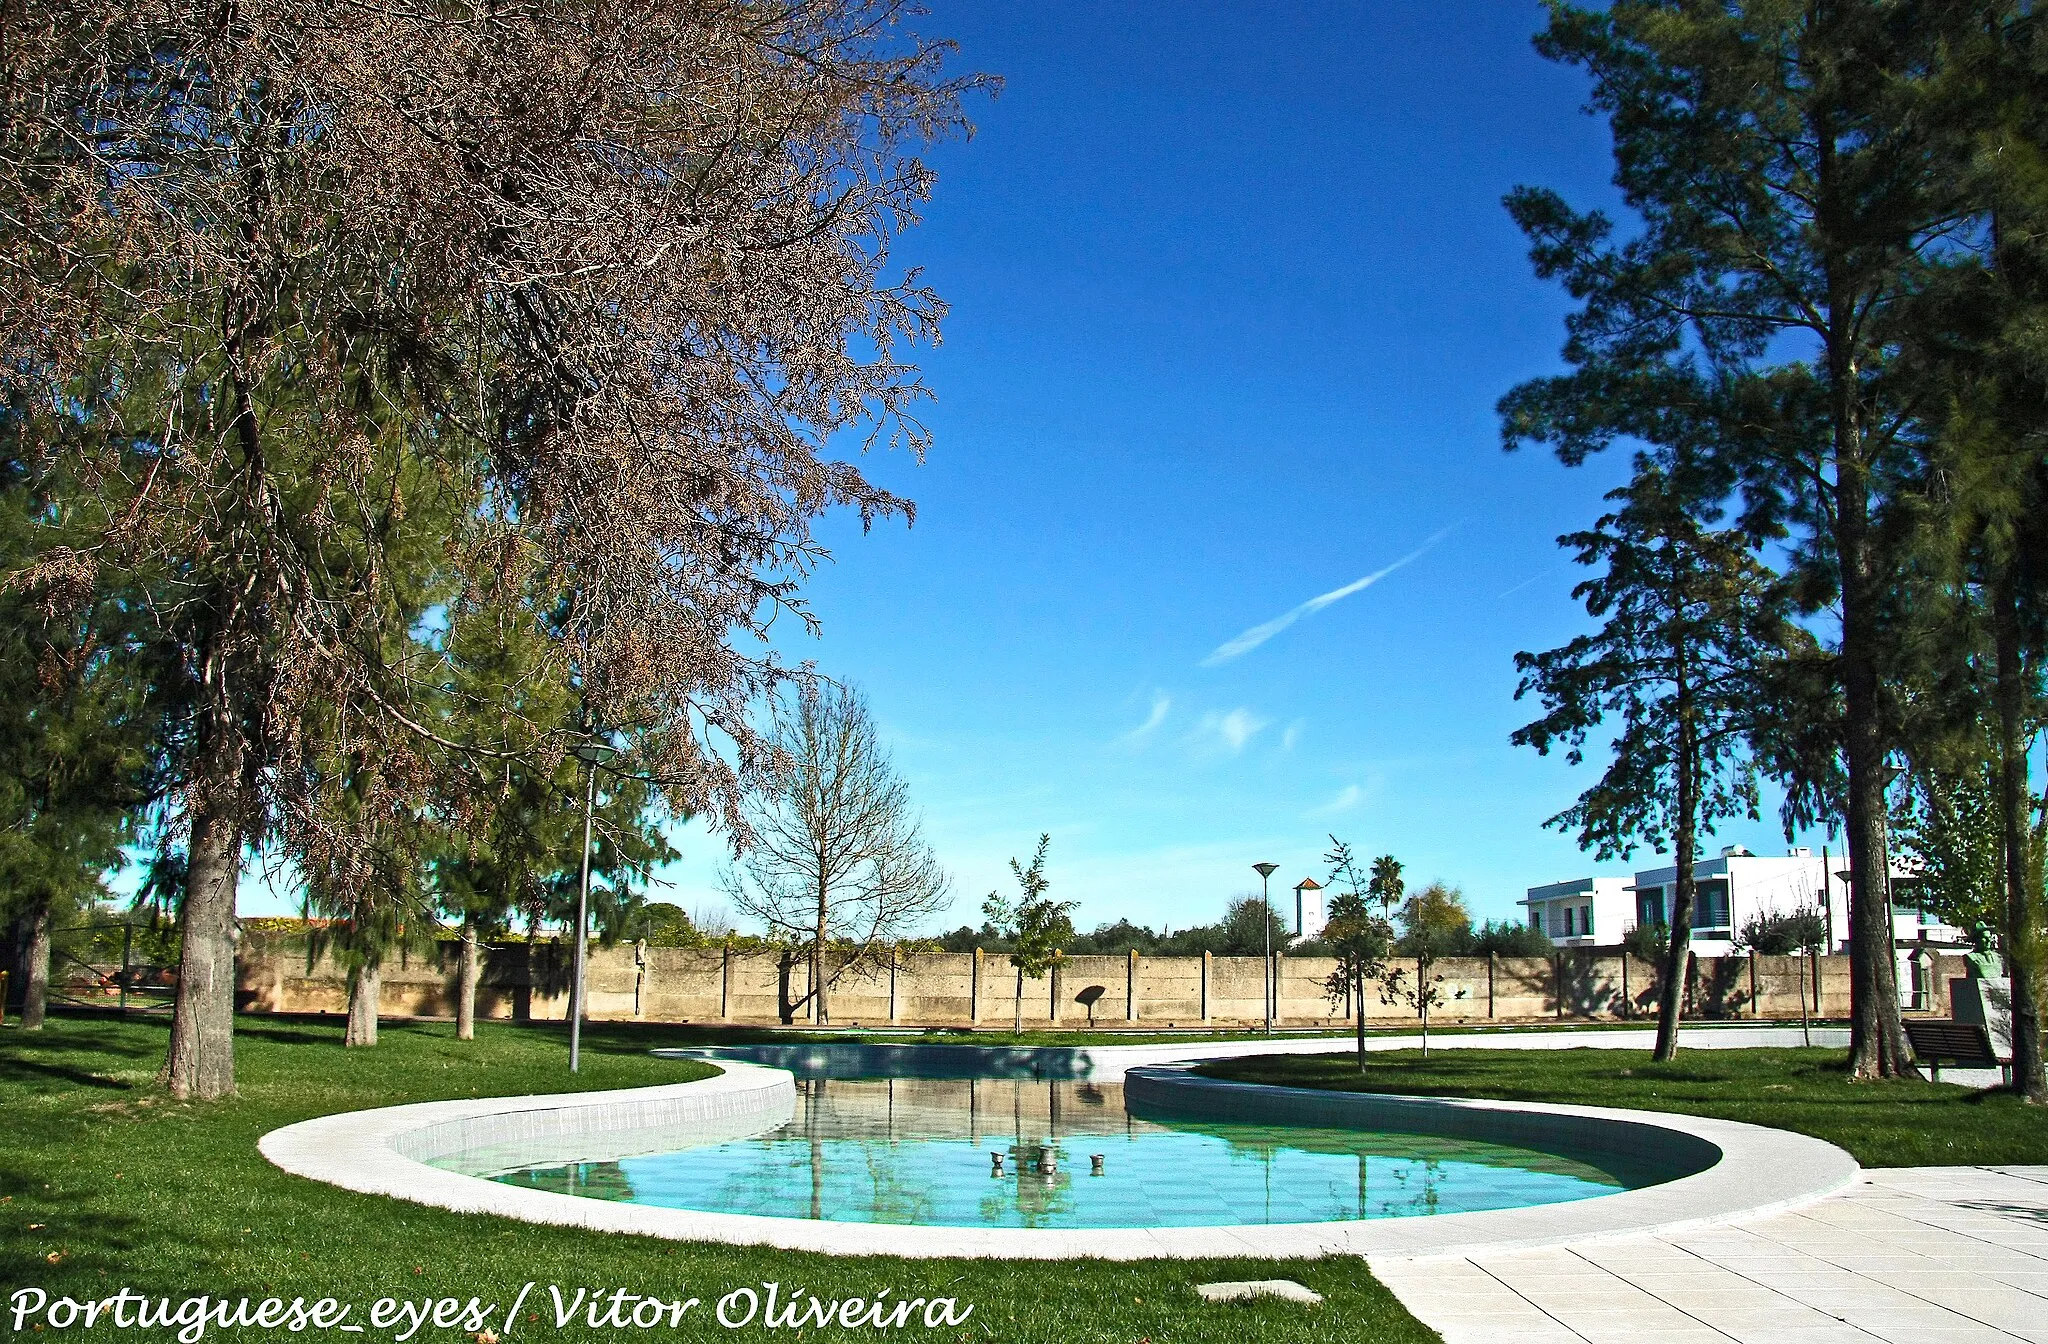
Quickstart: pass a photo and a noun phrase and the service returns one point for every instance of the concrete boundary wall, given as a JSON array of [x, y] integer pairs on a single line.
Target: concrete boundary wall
[[524, 982]]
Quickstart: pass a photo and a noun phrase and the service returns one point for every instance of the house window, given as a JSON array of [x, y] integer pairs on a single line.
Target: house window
[[1586, 920], [1567, 921], [1713, 906], [1650, 905], [1535, 919]]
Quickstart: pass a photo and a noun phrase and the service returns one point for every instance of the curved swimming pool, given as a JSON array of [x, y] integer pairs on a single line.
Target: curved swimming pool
[[1027, 1153], [426, 1152]]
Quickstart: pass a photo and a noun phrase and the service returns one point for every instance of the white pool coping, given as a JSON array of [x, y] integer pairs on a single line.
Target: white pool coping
[[387, 1152]]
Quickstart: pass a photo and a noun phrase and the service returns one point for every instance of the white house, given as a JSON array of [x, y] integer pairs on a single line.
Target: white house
[[1732, 890], [1739, 886], [1581, 911], [1310, 915]]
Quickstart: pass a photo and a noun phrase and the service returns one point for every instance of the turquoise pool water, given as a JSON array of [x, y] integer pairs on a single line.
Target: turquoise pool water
[[919, 1152]]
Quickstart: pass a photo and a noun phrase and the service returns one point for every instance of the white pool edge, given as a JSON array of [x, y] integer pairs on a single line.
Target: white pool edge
[[1761, 1171]]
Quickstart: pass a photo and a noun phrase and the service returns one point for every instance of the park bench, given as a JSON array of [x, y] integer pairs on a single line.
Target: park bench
[[1963, 1045]]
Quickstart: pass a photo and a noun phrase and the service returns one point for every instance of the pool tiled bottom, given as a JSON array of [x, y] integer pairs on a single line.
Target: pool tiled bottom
[[920, 1152]]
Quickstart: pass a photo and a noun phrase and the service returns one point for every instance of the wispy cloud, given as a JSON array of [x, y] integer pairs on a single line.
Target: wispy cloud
[[1161, 704], [1234, 731], [1259, 634], [1347, 798], [1292, 735]]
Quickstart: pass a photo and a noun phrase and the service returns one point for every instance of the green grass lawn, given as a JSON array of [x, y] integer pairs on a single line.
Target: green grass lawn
[[1882, 1124], [106, 1184]]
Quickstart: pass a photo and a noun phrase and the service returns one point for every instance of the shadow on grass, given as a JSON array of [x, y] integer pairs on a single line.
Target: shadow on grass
[[18, 1068], [62, 1034], [282, 1036]]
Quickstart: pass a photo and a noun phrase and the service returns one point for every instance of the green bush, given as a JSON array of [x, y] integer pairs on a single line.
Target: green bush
[[1774, 935], [1509, 939], [1646, 942]]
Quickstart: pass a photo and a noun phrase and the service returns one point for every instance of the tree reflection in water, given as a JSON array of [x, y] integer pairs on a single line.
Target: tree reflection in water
[[916, 1151]]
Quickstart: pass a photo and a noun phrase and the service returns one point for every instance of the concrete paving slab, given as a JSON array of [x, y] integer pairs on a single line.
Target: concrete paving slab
[[1921, 1256]]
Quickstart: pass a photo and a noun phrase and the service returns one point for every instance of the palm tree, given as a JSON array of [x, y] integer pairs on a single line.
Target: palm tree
[[1386, 885]]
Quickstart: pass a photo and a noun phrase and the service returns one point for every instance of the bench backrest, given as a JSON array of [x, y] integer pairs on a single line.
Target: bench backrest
[[1964, 1042]]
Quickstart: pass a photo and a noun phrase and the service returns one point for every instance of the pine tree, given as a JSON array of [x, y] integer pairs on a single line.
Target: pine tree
[[1690, 619], [1973, 350], [78, 729], [1792, 197]]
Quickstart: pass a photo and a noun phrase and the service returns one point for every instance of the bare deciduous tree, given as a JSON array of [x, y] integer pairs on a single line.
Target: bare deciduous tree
[[838, 862], [596, 279]]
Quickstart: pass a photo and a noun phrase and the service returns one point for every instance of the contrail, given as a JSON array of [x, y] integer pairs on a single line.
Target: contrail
[[1531, 579], [1259, 634]]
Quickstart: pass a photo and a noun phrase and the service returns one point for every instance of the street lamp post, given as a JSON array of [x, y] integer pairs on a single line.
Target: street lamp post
[[1265, 872], [591, 753]]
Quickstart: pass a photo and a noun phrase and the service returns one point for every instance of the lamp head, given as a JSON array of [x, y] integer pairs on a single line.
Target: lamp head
[[1265, 869]]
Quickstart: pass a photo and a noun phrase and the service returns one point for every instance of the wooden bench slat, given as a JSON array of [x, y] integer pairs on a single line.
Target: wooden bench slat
[[1964, 1043]]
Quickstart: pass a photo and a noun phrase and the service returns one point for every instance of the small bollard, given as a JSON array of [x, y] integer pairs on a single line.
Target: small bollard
[[1095, 1164]]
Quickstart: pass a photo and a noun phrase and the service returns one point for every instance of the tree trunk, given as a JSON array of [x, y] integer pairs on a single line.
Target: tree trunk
[[1358, 1002], [820, 1014], [201, 1063], [365, 986], [465, 984], [1877, 1038], [35, 984], [1676, 953], [2022, 939]]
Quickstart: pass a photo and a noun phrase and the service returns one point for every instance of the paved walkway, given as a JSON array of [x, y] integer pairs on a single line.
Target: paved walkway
[[1922, 1255]]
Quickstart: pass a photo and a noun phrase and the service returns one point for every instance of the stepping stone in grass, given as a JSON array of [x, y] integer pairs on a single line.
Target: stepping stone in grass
[[1285, 1289]]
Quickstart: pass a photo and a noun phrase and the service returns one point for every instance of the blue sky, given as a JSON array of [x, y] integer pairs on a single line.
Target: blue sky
[[1233, 297]]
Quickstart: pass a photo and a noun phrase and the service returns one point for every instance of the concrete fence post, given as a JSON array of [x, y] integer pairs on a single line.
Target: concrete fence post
[[1131, 988], [725, 985], [1557, 980], [1053, 994], [893, 1014], [1755, 1008], [1489, 984], [1208, 968], [974, 990]]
